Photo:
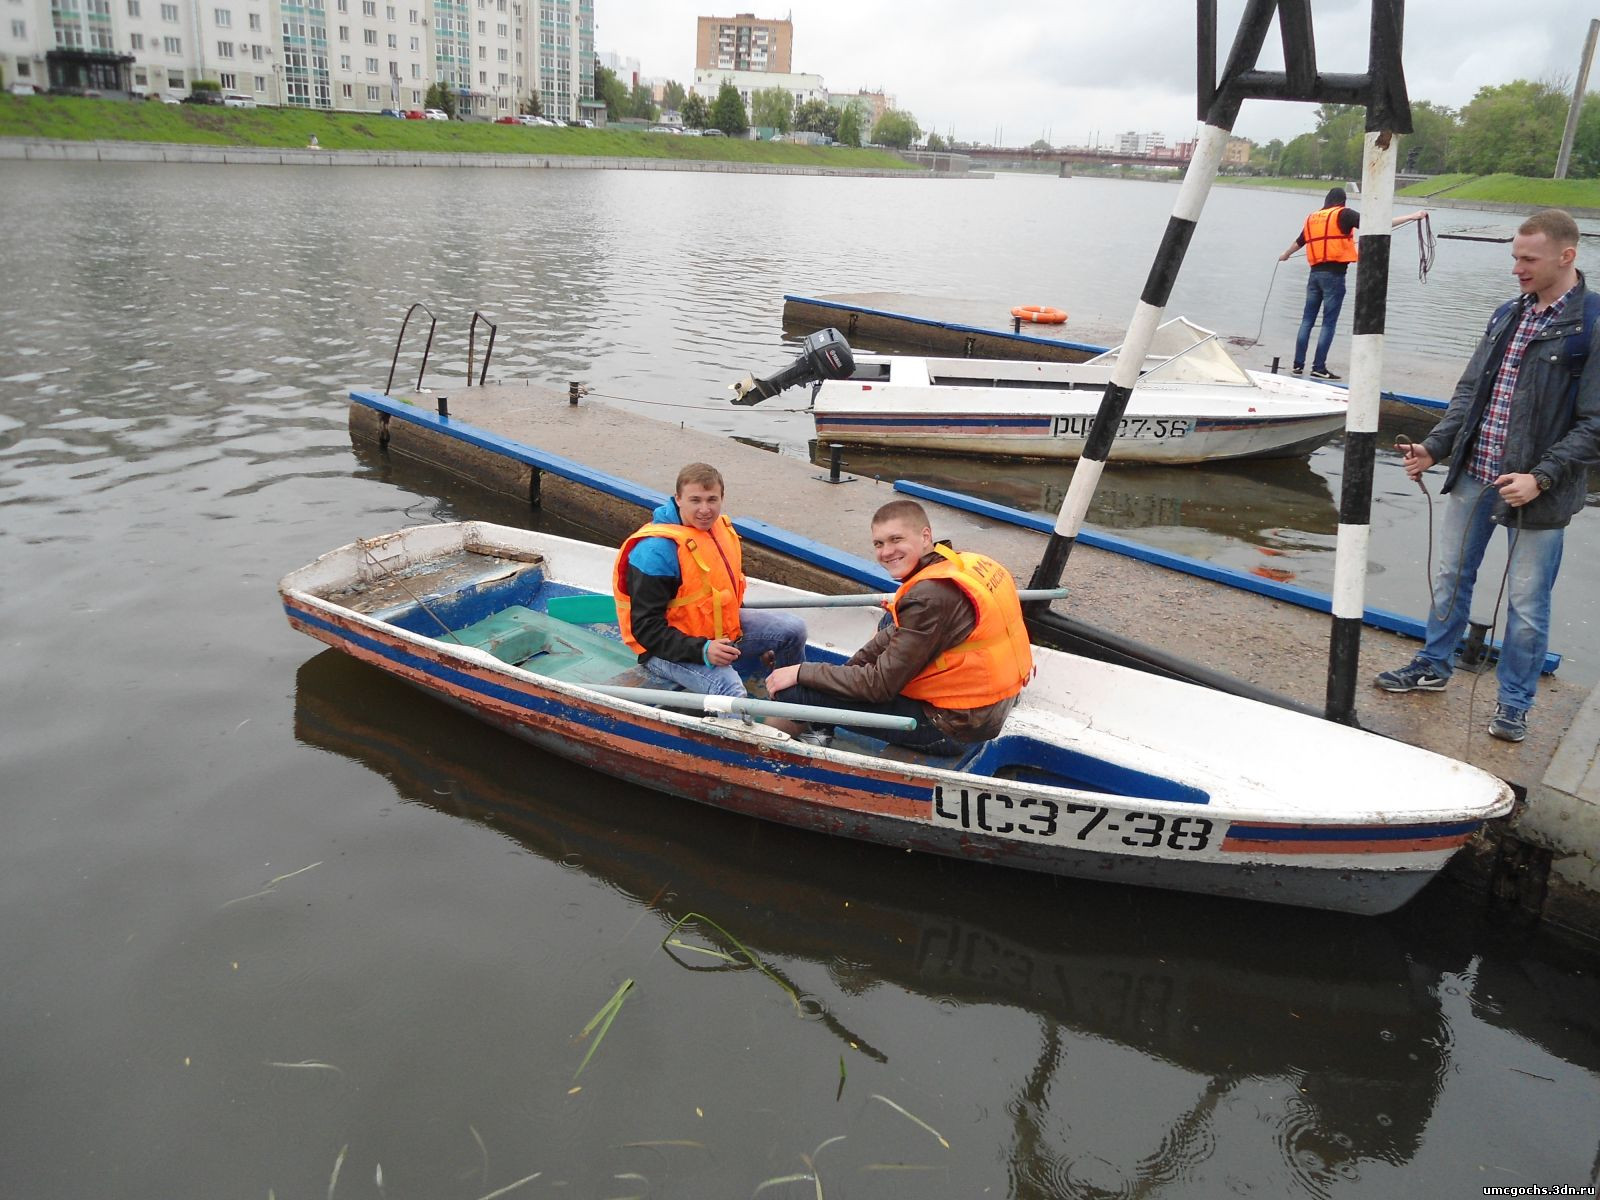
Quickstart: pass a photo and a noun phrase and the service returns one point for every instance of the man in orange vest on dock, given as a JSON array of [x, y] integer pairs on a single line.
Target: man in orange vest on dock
[[954, 654], [679, 582], [1329, 236]]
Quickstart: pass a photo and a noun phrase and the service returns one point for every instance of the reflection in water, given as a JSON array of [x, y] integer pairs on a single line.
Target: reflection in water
[[1335, 1040]]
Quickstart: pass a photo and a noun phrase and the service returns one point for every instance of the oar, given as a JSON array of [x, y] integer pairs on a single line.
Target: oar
[[695, 701], [590, 609]]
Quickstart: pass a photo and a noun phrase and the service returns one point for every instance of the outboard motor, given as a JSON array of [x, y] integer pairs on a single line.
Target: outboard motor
[[823, 355]]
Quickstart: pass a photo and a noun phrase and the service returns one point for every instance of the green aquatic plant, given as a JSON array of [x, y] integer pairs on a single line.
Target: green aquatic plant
[[602, 1021]]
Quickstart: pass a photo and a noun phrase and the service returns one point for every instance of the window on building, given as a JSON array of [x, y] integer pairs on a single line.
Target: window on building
[[504, 79], [223, 17], [501, 29], [369, 8], [413, 16], [169, 12], [133, 8], [136, 41], [388, 13], [258, 53], [255, 22], [370, 36], [175, 79], [172, 45], [483, 52], [394, 41], [372, 66], [344, 33], [344, 6], [504, 54], [483, 77], [483, 27], [224, 49], [261, 83], [347, 90], [19, 30], [229, 82], [416, 44], [344, 62], [372, 92], [416, 70]]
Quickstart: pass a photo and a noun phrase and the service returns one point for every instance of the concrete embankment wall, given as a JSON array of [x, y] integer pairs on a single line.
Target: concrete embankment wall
[[47, 150]]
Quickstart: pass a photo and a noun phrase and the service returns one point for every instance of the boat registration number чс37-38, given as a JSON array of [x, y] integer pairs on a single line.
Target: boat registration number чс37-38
[[1048, 819], [1078, 425]]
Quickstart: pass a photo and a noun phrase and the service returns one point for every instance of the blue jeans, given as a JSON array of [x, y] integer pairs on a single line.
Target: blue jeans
[[1324, 290], [764, 629], [1535, 559]]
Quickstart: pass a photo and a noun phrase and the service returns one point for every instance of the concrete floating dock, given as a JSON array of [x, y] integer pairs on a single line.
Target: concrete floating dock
[[603, 468]]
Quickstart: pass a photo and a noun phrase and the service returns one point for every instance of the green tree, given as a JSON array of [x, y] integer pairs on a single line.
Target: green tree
[[727, 111], [1427, 149], [441, 97], [817, 116], [935, 142], [642, 104], [672, 95], [1340, 135], [773, 108], [1515, 127], [1585, 162], [612, 90], [850, 122], [896, 128], [693, 111], [532, 106], [1038, 144]]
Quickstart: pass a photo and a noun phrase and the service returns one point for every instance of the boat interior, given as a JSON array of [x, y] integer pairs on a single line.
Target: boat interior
[[500, 605]]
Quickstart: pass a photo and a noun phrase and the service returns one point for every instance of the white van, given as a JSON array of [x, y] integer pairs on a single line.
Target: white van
[[235, 100]]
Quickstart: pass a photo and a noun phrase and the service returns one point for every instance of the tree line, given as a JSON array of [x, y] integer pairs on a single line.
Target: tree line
[[770, 108], [1512, 128]]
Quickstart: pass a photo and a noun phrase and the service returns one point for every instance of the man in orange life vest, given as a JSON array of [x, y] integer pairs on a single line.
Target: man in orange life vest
[[1329, 236], [678, 583], [954, 654]]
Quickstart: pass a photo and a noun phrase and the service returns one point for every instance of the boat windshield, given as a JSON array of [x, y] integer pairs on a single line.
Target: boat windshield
[[1183, 352]]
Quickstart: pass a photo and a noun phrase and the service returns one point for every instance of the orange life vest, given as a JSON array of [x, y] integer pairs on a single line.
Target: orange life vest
[[1325, 241], [996, 660], [710, 581]]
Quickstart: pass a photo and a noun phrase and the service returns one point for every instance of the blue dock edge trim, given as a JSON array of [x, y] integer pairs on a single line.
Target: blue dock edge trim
[[762, 533], [1397, 397], [1378, 618]]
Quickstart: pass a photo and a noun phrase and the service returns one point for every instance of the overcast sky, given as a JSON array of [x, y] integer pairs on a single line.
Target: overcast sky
[[1068, 71]]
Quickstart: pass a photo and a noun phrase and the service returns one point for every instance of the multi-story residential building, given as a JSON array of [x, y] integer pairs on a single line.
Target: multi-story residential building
[[358, 55], [873, 105], [744, 43], [563, 50]]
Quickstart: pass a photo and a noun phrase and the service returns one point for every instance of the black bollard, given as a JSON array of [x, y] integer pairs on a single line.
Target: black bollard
[[444, 406], [1016, 324], [572, 391], [1275, 361], [835, 453]]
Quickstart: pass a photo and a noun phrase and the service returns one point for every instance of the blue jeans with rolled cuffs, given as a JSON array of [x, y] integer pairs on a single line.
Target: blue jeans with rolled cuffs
[[1324, 290], [1535, 559], [765, 629]]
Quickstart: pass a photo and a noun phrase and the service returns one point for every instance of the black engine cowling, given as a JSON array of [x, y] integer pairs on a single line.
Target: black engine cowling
[[823, 355]]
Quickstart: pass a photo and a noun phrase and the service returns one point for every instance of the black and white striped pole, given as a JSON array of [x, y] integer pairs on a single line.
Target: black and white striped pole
[[1197, 180], [1361, 424]]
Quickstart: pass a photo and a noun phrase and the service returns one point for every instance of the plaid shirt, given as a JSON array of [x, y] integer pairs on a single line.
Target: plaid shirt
[[1490, 444]]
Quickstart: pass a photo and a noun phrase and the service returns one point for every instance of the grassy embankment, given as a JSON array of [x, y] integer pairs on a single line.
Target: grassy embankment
[[1505, 189], [68, 118]]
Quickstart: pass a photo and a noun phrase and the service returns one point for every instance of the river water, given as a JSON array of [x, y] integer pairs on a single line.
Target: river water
[[278, 927]]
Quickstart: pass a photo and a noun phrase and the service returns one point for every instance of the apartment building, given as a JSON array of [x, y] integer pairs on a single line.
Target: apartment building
[[802, 87], [744, 43], [354, 55]]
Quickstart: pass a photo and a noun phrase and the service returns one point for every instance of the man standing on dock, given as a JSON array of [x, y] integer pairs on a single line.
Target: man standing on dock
[[1329, 236], [1520, 433], [955, 655], [678, 584]]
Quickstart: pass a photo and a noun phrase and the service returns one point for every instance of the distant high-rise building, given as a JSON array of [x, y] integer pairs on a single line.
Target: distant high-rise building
[[744, 43]]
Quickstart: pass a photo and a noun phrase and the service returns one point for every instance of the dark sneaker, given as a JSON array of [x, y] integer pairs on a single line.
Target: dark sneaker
[[1509, 724], [1300, 370], [817, 735], [1322, 373], [1418, 675]]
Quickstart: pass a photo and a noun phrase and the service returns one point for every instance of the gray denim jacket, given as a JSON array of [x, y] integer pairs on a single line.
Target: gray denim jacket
[[1549, 431]]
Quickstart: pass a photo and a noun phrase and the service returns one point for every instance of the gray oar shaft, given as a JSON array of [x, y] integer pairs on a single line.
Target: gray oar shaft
[[860, 600], [696, 702]]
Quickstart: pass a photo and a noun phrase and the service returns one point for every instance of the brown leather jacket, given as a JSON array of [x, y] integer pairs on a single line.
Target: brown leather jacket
[[934, 616]]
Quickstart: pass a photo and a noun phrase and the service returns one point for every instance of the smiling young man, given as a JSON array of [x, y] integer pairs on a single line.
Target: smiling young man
[[955, 653], [679, 582], [1520, 434]]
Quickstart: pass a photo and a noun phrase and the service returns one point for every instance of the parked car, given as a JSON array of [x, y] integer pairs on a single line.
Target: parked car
[[23, 89], [436, 114], [236, 100], [507, 121], [712, 133], [205, 97], [414, 114], [687, 132], [392, 112]]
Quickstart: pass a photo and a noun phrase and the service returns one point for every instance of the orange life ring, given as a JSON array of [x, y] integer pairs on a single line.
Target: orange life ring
[[1039, 314]]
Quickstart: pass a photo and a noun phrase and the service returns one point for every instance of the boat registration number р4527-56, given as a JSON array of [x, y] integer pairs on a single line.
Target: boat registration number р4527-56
[[1078, 425], [1051, 820]]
